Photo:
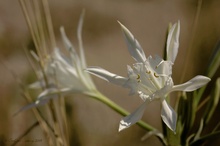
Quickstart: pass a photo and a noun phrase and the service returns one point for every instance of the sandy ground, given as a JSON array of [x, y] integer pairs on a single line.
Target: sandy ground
[[92, 123]]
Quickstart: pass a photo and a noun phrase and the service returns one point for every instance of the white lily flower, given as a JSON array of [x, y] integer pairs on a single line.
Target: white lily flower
[[64, 74], [151, 78]]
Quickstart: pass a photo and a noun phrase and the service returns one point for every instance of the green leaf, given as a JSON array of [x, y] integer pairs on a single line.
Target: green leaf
[[204, 138], [213, 102], [214, 62], [197, 136], [213, 66]]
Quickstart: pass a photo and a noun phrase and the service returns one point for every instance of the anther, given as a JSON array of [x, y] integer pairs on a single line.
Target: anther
[[156, 75], [138, 77], [148, 72]]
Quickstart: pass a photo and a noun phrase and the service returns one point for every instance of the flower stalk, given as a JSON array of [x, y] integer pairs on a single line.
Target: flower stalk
[[100, 97]]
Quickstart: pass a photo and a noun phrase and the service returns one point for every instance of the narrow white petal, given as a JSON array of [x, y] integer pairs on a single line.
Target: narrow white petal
[[192, 84], [79, 36], [66, 41], [78, 63], [168, 115], [46, 94], [62, 60], [134, 47], [106, 75], [44, 97], [52, 93], [173, 42], [133, 118], [68, 45], [31, 105], [37, 84], [86, 77]]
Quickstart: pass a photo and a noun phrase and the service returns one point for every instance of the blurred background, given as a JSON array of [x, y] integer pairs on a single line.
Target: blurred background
[[90, 122]]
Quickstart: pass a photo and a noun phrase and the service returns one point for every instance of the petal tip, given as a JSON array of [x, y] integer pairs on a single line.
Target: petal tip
[[123, 125], [168, 116], [120, 24]]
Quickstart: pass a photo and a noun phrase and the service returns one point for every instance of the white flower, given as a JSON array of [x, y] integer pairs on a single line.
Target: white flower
[[65, 73], [151, 78]]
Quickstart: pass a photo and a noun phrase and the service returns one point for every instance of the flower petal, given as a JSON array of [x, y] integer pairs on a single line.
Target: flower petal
[[173, 42], [134, 47], [66, 74], [168, 115], [37, 85], [79, 36], [159, 66], [68, 45], [192, 84], [47, 94], [106, 75], [78, 62], [85, 76], [131, 119], [31, 105]]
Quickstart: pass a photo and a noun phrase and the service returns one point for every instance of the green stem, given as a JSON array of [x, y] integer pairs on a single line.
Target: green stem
[[97, 95], [120, 110], [173, 139]]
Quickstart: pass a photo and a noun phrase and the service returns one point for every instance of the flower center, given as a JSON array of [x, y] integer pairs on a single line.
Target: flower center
[[152, 77]]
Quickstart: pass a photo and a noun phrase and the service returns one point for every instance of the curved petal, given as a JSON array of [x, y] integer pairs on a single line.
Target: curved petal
[[68, 45], [78, 63], [85, 77], [31, 105], [173, 42], [192, 84], [168, 115], [131, 119], [37, 85], [134, 47], [47, 94], [106, 75], [79, 36]]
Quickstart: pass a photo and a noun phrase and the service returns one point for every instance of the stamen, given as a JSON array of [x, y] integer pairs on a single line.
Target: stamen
[[159, 64], [138, 78]]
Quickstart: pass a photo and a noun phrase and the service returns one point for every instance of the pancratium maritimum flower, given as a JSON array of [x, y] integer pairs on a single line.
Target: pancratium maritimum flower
[[64, 73], [151, 78]]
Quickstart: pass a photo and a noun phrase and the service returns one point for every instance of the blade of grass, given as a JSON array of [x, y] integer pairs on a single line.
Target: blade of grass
[[25, 133]]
